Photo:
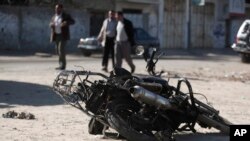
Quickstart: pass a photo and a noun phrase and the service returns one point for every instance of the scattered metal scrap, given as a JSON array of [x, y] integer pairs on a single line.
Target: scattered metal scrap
[[16, 115]]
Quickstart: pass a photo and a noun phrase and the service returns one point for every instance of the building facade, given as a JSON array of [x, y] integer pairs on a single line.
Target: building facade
[[212, 25]]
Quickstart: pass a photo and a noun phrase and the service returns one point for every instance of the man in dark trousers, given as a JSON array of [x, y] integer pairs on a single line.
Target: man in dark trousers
[[60, 33], [124, 41], [107, 37]]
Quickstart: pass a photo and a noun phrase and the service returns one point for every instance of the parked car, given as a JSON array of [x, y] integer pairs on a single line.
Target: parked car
[[242, 42], [90, 45]]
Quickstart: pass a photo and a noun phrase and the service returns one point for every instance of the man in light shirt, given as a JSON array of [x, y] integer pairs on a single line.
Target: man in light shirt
[[60, 33], [124, 41], [107, 37]]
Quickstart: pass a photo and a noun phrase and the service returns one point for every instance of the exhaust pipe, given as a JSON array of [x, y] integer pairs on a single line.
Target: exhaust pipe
[[146, 96], [153, 87]]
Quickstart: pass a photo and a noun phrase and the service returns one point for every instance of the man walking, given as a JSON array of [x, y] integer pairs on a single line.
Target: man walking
[[59, 25], [124, 41], [107, 37]]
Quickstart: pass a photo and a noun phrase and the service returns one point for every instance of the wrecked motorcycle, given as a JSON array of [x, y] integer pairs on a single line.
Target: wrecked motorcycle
[[138, 108]]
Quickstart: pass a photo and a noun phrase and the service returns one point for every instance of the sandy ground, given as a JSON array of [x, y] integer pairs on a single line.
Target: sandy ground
[[25, 86]]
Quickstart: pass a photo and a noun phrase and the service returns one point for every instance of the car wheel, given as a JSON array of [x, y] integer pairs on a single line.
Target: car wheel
[[86, 52], [245, 58]]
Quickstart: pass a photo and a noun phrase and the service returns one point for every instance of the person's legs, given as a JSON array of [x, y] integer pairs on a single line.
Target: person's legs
[[57, 47], [60, 51], [112, 43], [118, 55], [109, 49], [127, 55], [105, 56], [62, 55]]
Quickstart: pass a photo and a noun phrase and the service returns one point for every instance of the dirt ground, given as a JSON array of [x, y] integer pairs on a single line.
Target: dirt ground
[[26, 80]]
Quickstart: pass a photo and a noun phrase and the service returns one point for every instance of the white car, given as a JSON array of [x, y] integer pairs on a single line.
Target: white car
[[242, 42], [91, 45]]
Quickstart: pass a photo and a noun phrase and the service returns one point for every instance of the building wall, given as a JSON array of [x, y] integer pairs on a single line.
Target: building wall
[[28, 27], [148, 19], [77, 4], [202, 22], [9, 26], [202, 35], [174, 22]]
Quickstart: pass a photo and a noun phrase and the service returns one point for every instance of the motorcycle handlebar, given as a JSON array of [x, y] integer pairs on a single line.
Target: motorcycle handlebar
[[152, 55]]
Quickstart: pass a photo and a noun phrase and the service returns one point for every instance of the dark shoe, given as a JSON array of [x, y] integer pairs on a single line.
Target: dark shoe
[[60, 68], [105, 69], [133, 69]]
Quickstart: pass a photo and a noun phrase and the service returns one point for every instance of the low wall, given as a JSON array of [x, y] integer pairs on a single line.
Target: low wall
[[28, 28]]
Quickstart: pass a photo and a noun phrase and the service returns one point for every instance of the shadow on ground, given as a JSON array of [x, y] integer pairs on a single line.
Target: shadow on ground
[[195, 137], [21, 93], [202, 137]]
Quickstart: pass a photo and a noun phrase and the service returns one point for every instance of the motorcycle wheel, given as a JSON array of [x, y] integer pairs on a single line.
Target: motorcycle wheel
[[118, 115], [215, 121], [95, 127]]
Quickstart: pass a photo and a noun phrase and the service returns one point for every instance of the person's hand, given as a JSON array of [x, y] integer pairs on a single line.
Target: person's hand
[[52, 25], [99, 39], [64, 24]]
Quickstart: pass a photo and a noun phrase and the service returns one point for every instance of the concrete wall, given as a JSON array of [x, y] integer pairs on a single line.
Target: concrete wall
[[175, 22], [9, 28], [147, 20], [28, 27]]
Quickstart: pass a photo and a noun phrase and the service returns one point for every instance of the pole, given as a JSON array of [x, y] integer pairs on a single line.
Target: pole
[[188, 24], [161, 22]]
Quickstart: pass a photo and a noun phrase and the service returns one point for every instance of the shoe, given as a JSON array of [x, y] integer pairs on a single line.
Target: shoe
[[105, 69], [60, 68], [133, 69]]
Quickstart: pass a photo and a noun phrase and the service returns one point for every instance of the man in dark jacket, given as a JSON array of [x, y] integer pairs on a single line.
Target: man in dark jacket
[[124, 41], [60, 33]]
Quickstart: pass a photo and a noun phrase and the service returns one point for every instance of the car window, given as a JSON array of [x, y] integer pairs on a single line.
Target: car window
[[142, 34]]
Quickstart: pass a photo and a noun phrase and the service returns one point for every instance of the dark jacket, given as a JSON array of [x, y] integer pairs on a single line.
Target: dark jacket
[[65, 29], [129, 29]]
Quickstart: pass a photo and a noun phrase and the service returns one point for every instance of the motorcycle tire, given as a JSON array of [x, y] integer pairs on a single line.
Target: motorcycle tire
[[215, 121], [95, 127], [118, 114], [210, 117]]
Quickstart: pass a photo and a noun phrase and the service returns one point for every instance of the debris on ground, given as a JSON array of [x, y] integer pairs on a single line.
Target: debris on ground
[[16, 115]]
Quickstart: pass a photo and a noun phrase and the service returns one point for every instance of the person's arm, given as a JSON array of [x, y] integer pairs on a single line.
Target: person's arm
[[51, 24], [130, 32], [100, 35], [68, 20]]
